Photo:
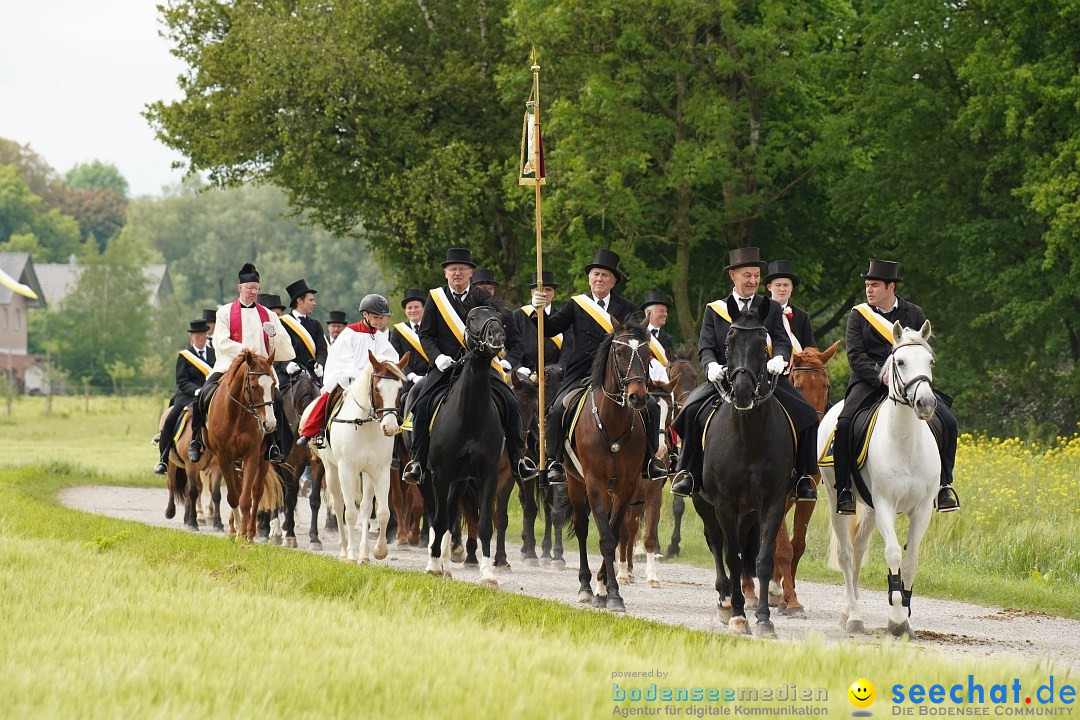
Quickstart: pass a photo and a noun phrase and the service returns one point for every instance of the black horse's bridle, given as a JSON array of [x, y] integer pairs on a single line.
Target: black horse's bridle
[[725, 385], [907, 391], [477, 344]]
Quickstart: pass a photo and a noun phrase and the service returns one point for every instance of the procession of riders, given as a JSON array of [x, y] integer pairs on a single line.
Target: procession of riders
[[433, 335]]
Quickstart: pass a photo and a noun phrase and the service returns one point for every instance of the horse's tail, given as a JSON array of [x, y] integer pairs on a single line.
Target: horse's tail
[[851, 523], [273, 495], [562, 510]]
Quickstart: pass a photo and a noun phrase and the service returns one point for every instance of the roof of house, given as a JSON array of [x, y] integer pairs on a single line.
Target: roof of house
[[59, 280], [20, 266]]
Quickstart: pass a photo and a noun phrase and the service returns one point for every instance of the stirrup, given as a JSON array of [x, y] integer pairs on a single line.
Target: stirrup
[[947, 500], [274, 454], [414, 473], [526, 470], [682, 484], [556, 475], [156, 439], [320, 439], [655, 471], [845, 502], [194, 451], [805, 490], [161, 468]]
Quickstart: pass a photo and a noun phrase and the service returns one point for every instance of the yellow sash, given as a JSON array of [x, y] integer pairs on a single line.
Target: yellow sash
[[876, 321], [658, 350], [557, 339], [597, 313], [409, 334], [720, 308], [192, 358], [796, 346], [299, 331], [455, 323]]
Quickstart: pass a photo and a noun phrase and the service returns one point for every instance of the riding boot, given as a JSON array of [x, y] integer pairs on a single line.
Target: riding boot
[[414, 471], [556, 475], [845, 499], [653, 468], [685, 481], [806, 466], [947, 499], [195, 446]]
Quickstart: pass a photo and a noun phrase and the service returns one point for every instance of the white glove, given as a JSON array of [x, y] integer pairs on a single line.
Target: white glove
[[506, 365], [524, 372], [715, 371], [443, 361], [776, 365], [318, 370], [539, 300], [414, 378], [197, 392], [292, 368], [270, 328]]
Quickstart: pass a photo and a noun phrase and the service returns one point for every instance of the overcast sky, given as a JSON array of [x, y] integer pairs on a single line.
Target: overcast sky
[[74, 76]]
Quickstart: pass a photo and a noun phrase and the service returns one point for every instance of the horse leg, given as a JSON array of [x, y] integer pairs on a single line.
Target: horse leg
[[318, 472], [652, 534], [215, 502], [397, 505], [678, 507], [436, 513], [364, 488], [800, 524], [472, 521], [415, 502], [350, 482], [488, 488], [502, 520], [529, 511], [768, 530], [918, 522], [608, 528], [576, 492], [733, 549], [381, 487], [558, 521], [291, 478], [334, 490], [714, 538], [781, 575], [625, 550]]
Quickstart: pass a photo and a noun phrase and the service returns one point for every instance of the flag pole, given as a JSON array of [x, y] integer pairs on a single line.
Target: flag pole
[[541, 402]]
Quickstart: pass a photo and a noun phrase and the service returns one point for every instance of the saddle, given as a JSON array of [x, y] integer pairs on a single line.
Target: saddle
[[181, 423], [709, 409], [206, 396]]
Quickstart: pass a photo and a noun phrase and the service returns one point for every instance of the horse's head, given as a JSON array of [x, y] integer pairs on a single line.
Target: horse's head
[[251, 382], [386, 380], [909, 370], [621, 365], [527, 395], [687, 375], [485, 334], [810, 376], [747, 354]]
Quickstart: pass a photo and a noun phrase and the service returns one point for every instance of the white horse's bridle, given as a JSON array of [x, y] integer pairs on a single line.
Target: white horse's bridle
[[900, 391]]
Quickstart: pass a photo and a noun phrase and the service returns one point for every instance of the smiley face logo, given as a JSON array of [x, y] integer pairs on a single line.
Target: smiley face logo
[[862, 693]]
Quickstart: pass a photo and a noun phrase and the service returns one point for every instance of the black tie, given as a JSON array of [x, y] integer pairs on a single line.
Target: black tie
[[600, 303], [458, 296], [200, 354], [656, 333], [416, 329], [746, 303]]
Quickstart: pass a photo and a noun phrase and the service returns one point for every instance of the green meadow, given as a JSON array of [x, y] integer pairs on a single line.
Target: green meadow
[[107, 618]]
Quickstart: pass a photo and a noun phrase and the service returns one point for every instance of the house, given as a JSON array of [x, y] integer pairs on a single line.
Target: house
[[59, 280], [16, 364]]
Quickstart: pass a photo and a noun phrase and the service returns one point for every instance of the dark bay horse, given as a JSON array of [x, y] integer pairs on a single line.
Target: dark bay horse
[[240, 414], [186, 481], [466, 446], [607, 452], [811, 378], [682, 368], [749, 456]]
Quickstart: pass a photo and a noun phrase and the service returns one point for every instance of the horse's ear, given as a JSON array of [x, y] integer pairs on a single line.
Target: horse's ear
[[374, 362], [270, 357], [764, 309], [616, 326], [924, 332], [732, 308], [828, 354], [897, 332], [674, 382], [404, 359]]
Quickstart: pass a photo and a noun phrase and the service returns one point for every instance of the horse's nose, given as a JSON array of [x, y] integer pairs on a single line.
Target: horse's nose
[[389, 425], [638, 400]]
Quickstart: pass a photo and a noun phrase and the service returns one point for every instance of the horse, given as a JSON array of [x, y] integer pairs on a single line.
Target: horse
[[902, 471], [187, 480], [406, 502], [749, 457], [358, 452], [607, 452], [240, 414], [466, 446], [811, 378], [682, 368]]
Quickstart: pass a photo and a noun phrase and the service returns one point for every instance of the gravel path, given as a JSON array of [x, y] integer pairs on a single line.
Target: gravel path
[[686, 596]]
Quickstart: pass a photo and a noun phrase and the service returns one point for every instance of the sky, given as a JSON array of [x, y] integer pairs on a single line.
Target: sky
[[75, 76]]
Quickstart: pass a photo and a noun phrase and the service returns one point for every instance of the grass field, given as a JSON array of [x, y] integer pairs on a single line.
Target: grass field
[[105, 618]]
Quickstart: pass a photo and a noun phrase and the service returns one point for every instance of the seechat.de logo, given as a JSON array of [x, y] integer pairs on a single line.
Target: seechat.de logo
[[862, 695]]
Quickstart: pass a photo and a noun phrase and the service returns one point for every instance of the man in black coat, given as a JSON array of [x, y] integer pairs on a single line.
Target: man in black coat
[[193, 364], [781, 282], [305, 334], [867, 350], [405, 336], [744, 268], [556, 348], [579, 315], [442, 340]]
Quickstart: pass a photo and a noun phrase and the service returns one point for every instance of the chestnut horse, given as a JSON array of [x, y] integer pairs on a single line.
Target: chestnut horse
[[811, 378], [241, 413], [606, 453], [187, 480]]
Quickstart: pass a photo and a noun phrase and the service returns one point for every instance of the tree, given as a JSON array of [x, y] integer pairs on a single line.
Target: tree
[[100, 212], [27, 225], [97, 175], [33, 169]]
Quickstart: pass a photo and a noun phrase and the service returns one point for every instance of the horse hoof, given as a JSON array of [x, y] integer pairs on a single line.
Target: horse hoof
[[545, 562], [276, 539], [723, 614], [471, 562], [599, 601], [616, 604], [855, 627], [170, 513], [315, 545], [261, 540], [765, 629], [532, 562], [793, 612], [490, 582], [558, 564], [381, 553], [218, 527], [654, 584], [365, 561], [750, 601], [584, 596], [351, 561], [901, 630], [503, 569], [739, 625], [672, 552], [457, 555], [624, 579]]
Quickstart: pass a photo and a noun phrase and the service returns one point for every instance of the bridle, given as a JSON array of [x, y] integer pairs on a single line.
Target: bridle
[[624, 379], [901, 392], [374, 413], [476, 343], [725, 385], [250, 406]]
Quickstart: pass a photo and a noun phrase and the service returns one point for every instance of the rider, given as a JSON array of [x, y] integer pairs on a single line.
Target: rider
[[210, 317], [556, 348], [744, 269], [867, 350], [442, 338], [305, 333], [348, 358], [193, 364], [781, 282], [244, 324], [589, 315], [406, 336], [335, 323]]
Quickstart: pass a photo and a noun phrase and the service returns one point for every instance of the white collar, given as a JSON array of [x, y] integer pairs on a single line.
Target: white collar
[[896, 301], [651, 328], [463, 293], [203, 349], [297, 315], [606, 299], [739, 298]]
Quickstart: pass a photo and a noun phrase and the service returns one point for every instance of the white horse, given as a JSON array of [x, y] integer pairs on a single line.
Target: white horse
[[902, 470], [360, 446]]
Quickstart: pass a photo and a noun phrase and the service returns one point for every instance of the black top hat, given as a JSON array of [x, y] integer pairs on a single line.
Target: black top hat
[[743, 257], [655, 297], [886, 270], [209, 315], [337, 316], [549, 280], [298, 289], [459, 255], [605, 259], [484, 277], [247, 274], [198, 326], [413, 294], [270, 301], [781, 269]]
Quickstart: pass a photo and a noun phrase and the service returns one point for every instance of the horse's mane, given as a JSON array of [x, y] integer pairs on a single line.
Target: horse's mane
[[909, 336], [633, 331], [247, 356], [809, 357]]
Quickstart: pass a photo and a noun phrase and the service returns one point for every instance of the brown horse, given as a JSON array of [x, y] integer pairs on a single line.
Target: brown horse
[[810, 377], [240, 415], [607, 452], [186, 480], [686, 372]]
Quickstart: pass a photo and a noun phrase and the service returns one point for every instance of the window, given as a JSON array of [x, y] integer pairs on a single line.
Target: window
[[4, 325], [18, 319]]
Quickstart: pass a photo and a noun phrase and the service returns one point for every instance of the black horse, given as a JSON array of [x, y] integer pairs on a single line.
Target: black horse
[[466, 445], [749, 458]]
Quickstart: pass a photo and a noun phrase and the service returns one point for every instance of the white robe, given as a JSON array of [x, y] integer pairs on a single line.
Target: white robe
[[227, 349], [349, 355]]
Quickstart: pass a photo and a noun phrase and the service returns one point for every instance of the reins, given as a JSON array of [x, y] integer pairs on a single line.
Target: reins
[[907, 391], [621, 398], [251, 406], [725, 385], [374, 413]]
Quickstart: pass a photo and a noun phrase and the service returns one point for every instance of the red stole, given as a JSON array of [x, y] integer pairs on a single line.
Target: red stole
[[362, 327], [236, 330]]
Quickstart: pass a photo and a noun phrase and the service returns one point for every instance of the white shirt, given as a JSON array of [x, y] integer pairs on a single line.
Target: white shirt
[[228, 349], [348, 356]]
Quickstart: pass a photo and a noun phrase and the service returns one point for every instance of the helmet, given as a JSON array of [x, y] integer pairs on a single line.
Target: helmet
[[375, 304]]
